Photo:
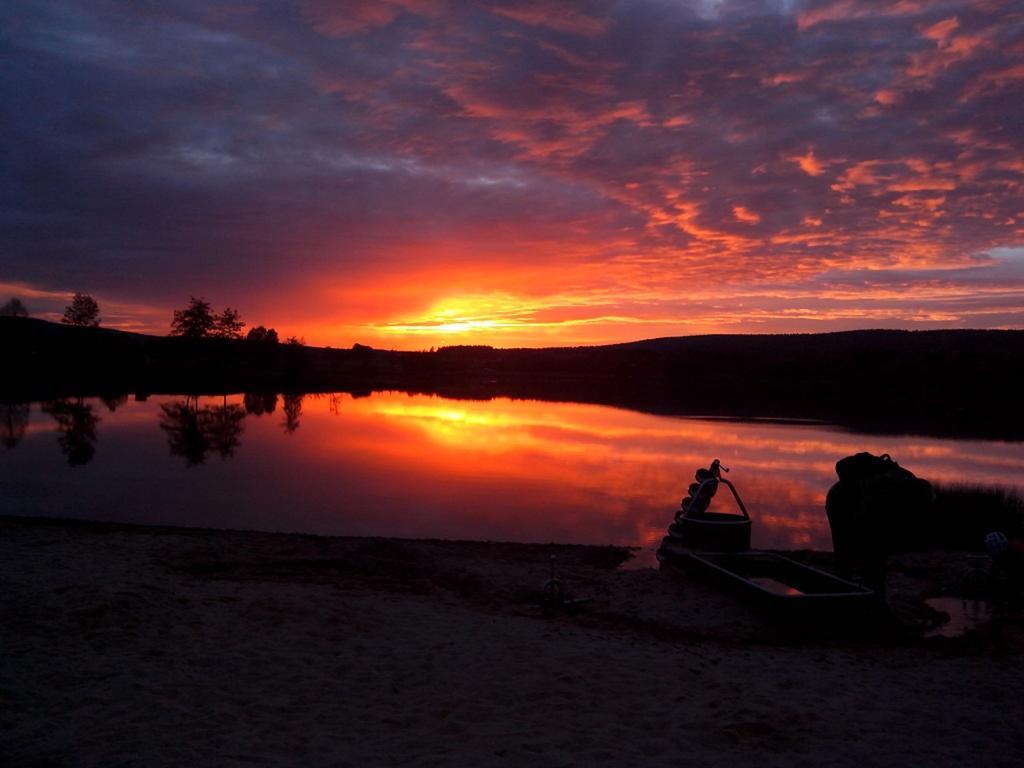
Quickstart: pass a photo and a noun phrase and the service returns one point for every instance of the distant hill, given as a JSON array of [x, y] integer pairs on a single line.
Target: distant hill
[[959, 382], [48, 356]]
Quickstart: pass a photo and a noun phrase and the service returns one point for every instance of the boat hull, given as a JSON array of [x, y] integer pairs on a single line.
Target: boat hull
[[772, 580]]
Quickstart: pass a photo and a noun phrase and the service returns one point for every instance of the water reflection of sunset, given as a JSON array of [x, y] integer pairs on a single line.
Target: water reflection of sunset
[[423, 466]]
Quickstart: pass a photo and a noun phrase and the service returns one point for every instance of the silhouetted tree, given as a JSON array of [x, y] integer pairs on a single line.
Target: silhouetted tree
[[225, 428], [262, 335], [228, 325], [14, 308], [13, 423], [296, 341], [193, 322], [292, 412], [258, 403], [77, 424], [83, 310], [185, 425]]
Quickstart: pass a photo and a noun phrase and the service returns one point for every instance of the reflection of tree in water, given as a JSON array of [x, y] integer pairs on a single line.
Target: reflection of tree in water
[[292, 412], [194, 430], [334, 403], [186, 434], [13, 423], [77, 424], [226, 427], [113, 402], [258, 403]]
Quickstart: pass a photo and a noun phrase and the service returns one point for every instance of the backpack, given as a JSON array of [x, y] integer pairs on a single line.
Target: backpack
[[865, 467]]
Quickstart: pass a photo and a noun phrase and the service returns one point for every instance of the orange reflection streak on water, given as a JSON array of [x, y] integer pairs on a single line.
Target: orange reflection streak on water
[[423, 466], [609, 475]]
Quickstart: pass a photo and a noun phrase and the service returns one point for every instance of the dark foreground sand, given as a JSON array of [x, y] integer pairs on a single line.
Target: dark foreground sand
[[148, 646]]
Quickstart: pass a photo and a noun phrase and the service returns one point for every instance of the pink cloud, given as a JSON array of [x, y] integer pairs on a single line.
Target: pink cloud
[[336, 19], [553, 14], [847, 10]]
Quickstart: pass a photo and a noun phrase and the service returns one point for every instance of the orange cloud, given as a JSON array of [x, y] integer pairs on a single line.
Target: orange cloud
[[745, 215], [784, 78], [862, 173], [809, 164]]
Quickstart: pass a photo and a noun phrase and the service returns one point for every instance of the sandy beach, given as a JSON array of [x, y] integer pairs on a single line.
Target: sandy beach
[[130, 645]]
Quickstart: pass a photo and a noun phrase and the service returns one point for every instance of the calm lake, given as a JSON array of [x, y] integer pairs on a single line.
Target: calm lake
[[421, 466]]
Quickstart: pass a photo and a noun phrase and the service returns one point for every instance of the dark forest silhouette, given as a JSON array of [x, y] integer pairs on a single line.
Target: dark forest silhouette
[[925, 382]]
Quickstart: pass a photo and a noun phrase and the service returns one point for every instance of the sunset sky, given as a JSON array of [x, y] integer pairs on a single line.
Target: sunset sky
[[409, 173]]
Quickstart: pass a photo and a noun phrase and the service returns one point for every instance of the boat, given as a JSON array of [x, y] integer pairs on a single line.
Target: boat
[[772, 580], [716, 545]]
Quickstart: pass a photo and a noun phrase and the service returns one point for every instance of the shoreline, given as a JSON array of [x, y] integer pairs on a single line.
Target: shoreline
[[130, 644], [823, 377], [114, 526]]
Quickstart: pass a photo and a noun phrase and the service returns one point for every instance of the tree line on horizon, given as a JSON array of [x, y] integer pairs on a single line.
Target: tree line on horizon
[[199, 321], [195, 321], [83, 310]]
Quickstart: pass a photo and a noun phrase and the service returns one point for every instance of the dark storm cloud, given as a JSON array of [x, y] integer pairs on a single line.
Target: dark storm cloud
[[153, 149]]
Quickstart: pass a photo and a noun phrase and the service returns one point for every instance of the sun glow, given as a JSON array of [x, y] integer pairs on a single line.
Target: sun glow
[[411, 178], [494, 317]]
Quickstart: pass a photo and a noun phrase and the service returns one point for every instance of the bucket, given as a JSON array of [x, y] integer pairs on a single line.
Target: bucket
[[713, 532]]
